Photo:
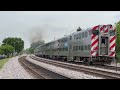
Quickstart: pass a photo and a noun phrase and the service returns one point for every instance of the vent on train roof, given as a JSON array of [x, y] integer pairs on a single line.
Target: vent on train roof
[[79, 29]]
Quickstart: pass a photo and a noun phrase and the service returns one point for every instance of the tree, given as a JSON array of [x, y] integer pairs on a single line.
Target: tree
[[31, 50], [17, 43], [6, 49], [117, 26]]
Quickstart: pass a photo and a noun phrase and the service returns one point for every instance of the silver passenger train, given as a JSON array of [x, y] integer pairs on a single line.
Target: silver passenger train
[[93, 45]]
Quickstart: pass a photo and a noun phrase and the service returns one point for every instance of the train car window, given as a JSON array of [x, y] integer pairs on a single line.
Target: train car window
[[74, 36], [76, 48], [88, 47], [82, 48], [112, 32], [89, 32], [73, 48], [85, 47], [59, 49], [83, 35], [70, 46], [79, 35], [95, 32], [70, 37], [66, 49], [102, 41], [79, 48]]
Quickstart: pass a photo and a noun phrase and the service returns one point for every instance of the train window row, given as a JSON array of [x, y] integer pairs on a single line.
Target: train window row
[[63, 40], [81, 35], [63, 49], [60, 49], [82, 47]]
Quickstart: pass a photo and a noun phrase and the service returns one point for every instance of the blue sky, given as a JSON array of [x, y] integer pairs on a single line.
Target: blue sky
[[47, 25]]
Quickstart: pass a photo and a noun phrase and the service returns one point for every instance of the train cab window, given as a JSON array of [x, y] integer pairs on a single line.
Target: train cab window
[[95, 32], [103, 41], [83, 35], [112, 32]]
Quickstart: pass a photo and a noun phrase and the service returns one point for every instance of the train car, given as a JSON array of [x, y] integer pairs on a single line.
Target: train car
[[92, 45]]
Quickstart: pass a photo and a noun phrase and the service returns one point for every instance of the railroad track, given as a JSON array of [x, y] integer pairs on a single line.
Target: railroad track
[[96, 72], [39, 72], [96, 66]]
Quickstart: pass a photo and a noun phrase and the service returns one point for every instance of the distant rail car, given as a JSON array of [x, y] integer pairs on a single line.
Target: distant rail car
[[2, 56], [93, 45]]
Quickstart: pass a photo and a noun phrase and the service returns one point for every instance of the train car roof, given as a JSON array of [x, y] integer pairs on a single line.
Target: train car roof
[[65, 37]]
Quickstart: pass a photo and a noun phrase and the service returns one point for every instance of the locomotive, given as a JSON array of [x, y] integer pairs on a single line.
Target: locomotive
[[92, 45]]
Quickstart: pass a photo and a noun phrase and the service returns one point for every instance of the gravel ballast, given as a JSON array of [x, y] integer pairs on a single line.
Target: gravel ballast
[[66, 72], [13, 70], [98, 68]]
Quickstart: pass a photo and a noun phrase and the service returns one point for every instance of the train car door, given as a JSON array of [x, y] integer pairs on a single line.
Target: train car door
[[103, 42]]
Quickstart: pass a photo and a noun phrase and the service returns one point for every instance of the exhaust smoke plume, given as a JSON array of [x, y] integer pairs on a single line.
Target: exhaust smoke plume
[[46, 32], [36, 34]]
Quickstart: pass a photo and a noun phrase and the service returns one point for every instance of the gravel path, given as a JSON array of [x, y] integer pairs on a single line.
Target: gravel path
[[13, 70], [66, 72]]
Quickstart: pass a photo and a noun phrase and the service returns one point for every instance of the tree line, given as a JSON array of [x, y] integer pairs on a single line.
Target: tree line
[[11, 45]]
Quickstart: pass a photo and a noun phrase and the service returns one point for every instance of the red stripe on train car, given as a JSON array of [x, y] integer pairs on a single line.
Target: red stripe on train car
[[106, 31], [113, 46], [112, 39], [96, 48], [94, 28], [92, 52], [93, 36], [112, 54], [94, 42]]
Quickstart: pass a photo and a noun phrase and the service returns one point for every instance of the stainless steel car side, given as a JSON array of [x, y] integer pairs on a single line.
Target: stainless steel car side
[[93, 45]]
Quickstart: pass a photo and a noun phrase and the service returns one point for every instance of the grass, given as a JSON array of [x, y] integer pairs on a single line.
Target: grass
[[3, 61]]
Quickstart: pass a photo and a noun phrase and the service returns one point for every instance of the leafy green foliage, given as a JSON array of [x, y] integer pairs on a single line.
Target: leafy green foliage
[[17, 43], [6, 49], [118, 37], [31, 50]]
